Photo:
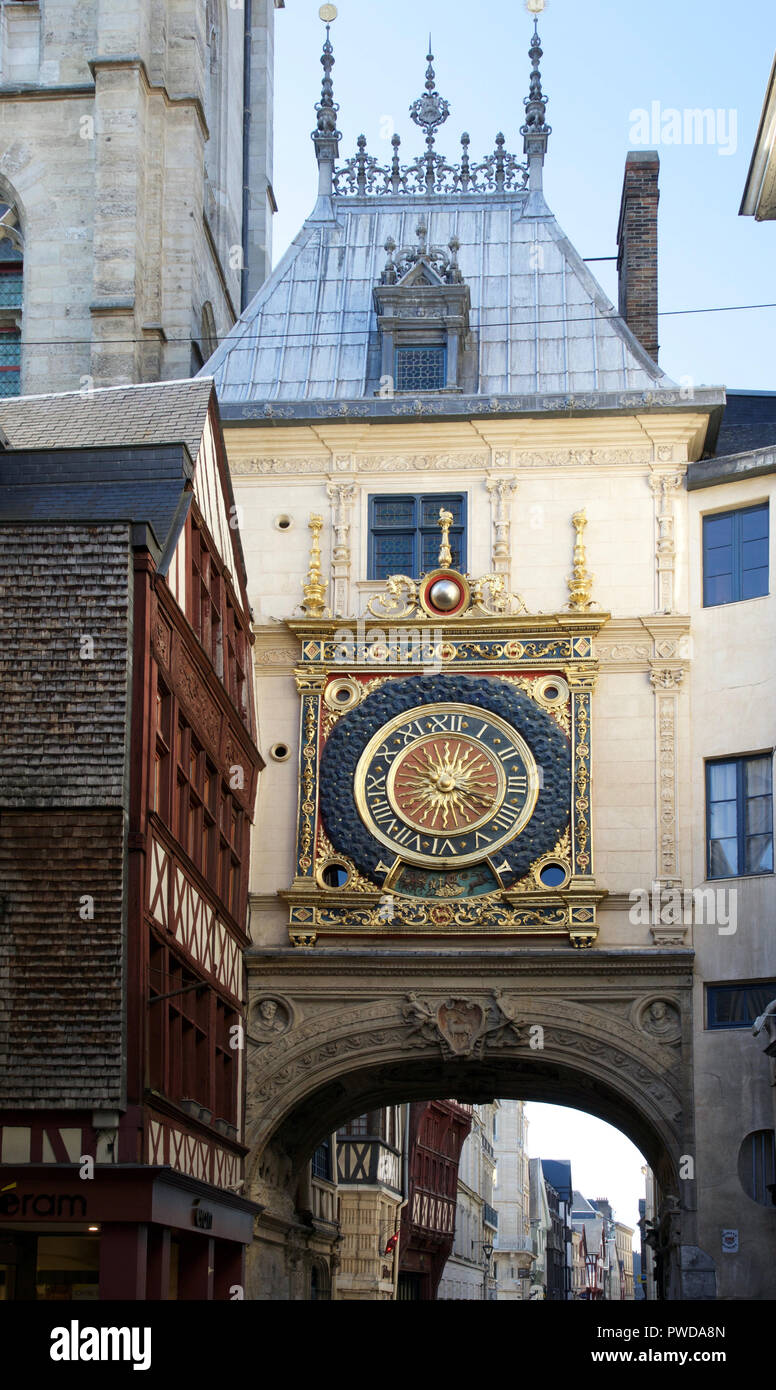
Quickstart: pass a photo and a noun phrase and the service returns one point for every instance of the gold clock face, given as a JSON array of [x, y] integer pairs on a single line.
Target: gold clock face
[[446, 784]]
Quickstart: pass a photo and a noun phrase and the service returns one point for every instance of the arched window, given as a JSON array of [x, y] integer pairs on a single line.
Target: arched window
[[757, 1166], [320, 1281], [11, 276]]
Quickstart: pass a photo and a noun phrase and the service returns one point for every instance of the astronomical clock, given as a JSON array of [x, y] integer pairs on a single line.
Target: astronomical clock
[[445, 753]]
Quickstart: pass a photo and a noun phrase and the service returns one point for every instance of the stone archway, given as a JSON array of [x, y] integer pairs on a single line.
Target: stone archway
[[351, 1031]]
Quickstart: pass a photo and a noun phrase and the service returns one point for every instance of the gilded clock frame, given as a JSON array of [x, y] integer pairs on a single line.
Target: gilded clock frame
[[522, 647]]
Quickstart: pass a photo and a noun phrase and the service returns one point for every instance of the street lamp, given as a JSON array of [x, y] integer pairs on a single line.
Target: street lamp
[[487, 1251]]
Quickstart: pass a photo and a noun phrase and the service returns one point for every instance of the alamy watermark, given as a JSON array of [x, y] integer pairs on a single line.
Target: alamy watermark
[[674, 907], [667, 125], [407, 646]]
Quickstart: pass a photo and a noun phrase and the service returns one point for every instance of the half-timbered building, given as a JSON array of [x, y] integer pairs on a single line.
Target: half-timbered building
[[128, 775]]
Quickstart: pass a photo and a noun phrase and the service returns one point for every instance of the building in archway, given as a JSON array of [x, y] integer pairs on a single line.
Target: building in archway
[[515, 681], [514, 1254], [472, 1269], [136, 175], [437, 1135]]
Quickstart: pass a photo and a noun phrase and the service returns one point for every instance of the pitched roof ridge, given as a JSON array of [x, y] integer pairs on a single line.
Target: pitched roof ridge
[[103, 390]]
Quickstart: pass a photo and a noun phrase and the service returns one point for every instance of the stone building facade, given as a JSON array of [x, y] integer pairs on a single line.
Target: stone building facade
[[513, 1256], [431, 343], [128, 134], [472, 1271], [127, 783]]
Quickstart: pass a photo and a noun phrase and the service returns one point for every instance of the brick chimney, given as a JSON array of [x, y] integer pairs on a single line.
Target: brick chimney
[[637, 247]]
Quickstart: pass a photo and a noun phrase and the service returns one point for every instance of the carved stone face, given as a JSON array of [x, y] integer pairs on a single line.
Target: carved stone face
[[657, 1012], [268, 1008]]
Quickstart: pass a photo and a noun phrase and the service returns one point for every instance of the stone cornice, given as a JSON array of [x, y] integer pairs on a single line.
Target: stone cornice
[[394, 967], [26, 91], [131, 61], [706, 400]]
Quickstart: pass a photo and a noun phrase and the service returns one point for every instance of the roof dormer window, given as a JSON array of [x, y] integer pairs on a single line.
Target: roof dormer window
[[420, 368], [422, 307]]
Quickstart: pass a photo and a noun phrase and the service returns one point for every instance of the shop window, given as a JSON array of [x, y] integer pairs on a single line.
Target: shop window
[[67, 1268]]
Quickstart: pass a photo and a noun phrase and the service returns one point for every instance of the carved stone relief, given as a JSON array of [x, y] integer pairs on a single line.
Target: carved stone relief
[[664, 487], [341, 495], [501, 492]]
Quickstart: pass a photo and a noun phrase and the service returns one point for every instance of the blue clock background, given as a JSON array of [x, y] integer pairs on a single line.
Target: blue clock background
[[352, 733]]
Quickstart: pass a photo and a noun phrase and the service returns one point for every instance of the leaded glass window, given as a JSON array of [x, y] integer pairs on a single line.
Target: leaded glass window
[[11, 276], [739, 801], [10, 361], [420, 368], [404, 533]]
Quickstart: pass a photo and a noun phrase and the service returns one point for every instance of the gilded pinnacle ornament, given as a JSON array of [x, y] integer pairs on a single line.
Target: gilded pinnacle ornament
[[314, 588], [326, 137], [581, 583], [535, 131], [444, 524]]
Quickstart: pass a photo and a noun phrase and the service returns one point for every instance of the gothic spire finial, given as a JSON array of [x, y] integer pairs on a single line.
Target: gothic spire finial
[[326, 137], [535, 132], [430, 111]]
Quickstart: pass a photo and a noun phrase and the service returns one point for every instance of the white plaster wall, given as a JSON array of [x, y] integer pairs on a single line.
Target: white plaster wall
[[733, 705]]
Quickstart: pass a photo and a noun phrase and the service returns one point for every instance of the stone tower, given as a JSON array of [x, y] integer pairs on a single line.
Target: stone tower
[[135, 173]]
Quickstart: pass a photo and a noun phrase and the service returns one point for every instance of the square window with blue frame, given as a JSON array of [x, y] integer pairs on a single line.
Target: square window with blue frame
[[735, 555], [739, 816], [738, 1005], [404, 534]]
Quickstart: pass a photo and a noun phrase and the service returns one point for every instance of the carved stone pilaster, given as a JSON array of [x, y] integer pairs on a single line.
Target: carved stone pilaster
[[341, 495], [666, 681], [663, 488], [501, 491]]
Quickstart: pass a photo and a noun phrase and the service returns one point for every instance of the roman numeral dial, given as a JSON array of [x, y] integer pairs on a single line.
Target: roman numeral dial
[[446, 784]]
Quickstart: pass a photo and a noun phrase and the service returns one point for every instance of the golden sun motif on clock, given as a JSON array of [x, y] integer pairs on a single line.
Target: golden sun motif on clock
[[446, 784]]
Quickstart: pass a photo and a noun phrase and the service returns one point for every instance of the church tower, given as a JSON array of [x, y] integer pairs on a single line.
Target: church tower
[[136, 193]]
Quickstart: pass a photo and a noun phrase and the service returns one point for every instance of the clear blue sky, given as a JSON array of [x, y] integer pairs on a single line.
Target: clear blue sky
[[602, 61]]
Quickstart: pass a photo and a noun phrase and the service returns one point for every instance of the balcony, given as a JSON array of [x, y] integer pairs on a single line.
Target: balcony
[[367, 1161], [518, 1245], [488, 1147], [490, 1216]]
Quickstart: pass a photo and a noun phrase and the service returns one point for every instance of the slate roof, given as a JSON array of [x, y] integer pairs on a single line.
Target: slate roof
[[138, 485], [557, 1171], [749, 422], [541, 321], [166, 412]]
